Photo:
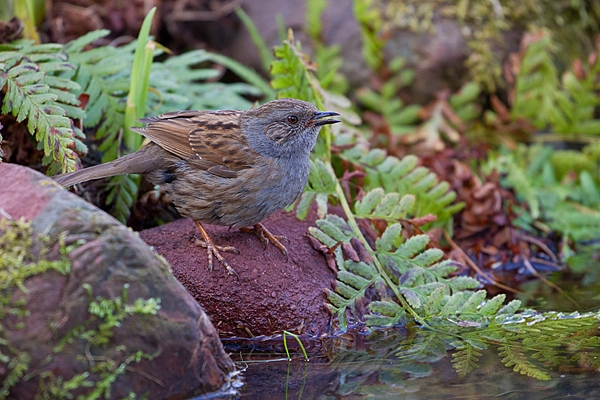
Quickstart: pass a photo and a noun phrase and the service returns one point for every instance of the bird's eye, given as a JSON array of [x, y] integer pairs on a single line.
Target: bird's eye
[[292, 119]]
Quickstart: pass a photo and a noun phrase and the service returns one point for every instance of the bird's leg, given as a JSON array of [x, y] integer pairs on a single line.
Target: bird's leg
[[267, 237], [211, 249]]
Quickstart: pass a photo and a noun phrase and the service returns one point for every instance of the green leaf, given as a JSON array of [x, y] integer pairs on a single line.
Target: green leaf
[[388, 308], [373, 157], [454, 303], [304, 204], [369, 202], [353, 278], [45, 100], [467, 94], [492, 306], [466, 359], [412, 246], [510, 308], [336, 228], [412, 297], [473, 302], [428, 257], [367, 271], [409, 115], [433, 304], [77, 45], [410, 277], [389, 238], [444, 268], [516, 359], [590, 127], [346, 291], [322, 237], [321, 205], [463, 283]]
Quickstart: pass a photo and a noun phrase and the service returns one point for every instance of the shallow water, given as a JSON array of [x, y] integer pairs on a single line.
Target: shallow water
[[358, 366], [370, 366], [317, 380]]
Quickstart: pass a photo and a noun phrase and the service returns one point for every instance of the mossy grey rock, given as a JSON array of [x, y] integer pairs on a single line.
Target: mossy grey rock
[[107, 317]]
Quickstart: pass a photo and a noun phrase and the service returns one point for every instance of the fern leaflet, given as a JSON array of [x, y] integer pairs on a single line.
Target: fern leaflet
[[34, 90]]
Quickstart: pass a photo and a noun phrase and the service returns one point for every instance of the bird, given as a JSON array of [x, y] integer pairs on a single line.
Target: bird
[[225, 167]]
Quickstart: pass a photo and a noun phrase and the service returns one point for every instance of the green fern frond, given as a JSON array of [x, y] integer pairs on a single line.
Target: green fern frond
[[371, 22], [536, 83], [290, 72], [464, 103], [473, 302], [576, 105], [350, 286], [386, 313], [34, 90], [405, 178], [180, 83], [528, 342], [492, 306], [425, 348], [543, 178], [568, 105], [402, 118], [331, 231], [466, 359], [401, 259], [413, 269], [336, 228], [411, 256], [433, 304], [320, 186], [389, 207], [183, 92], [103, 74], [574, 221], [122, 192], [550, 356], [463, 308], [324, 56], [513, 357], [518, 179]]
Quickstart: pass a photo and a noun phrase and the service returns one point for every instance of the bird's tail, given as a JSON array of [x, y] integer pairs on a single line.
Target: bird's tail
[[140, 162]]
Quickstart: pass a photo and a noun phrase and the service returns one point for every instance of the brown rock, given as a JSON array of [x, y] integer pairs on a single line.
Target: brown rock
[[271, 294], [184, 354]]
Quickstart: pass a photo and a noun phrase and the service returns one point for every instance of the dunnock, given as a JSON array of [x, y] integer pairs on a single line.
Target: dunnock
[[232, 168]]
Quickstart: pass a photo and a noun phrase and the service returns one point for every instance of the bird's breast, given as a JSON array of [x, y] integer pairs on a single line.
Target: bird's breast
[[253, 195]]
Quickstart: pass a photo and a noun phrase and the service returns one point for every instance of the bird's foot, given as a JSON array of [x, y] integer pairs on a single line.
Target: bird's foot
[[214, 250], [267, 237]]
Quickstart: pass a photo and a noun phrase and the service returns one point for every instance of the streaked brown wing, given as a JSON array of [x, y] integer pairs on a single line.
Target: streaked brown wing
[[171, 131], [211, 140]]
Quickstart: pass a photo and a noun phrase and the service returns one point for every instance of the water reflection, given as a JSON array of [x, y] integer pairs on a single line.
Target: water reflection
[[407, 365], [528, 355]]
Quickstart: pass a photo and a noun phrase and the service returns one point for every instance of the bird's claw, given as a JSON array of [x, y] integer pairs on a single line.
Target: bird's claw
[[214, 250], [267, 237]]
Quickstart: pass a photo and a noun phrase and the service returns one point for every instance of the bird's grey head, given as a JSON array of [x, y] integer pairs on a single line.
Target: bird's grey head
[[284, 127]]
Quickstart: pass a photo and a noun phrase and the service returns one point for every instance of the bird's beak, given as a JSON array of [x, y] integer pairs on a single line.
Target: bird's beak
[[318, 121]]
